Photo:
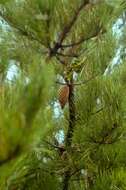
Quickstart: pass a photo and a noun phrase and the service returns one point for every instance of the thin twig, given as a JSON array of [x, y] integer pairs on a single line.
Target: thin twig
[[54, 146], [76, 171], [67, 55], [98, 111], [84, 39], [77, 84], [61, 61]]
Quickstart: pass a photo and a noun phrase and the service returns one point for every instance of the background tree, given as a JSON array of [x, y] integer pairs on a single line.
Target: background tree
[[79, 143]]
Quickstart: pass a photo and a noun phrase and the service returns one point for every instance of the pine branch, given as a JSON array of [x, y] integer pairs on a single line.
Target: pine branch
[[67, 28], [22, 31], [104, 139]]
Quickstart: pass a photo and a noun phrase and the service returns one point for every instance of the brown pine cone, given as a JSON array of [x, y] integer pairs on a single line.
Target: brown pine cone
[[63, 95]]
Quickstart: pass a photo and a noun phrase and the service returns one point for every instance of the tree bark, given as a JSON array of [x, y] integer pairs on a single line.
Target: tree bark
[[71, 102], [69, 135]]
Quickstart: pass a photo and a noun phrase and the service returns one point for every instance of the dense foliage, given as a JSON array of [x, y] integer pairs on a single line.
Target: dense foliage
[[62, 106]]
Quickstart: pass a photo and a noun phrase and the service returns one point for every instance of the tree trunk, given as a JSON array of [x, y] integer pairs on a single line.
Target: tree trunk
[[68, 140]]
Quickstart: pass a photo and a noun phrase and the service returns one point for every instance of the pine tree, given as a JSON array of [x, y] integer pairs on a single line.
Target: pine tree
[[62, 115]]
